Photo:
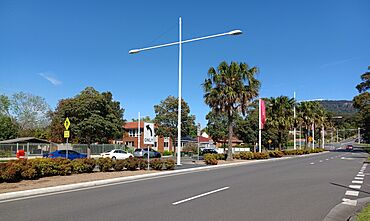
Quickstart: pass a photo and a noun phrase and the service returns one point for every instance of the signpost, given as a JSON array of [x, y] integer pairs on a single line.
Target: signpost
[[270, 141], [198, 135], [148, 136], [67, 123]]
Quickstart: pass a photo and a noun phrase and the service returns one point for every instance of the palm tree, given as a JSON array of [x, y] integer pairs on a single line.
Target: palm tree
[[280, 117], [308, 114], [230, 89]]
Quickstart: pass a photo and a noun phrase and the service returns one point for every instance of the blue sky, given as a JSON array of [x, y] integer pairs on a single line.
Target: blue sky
[[55, 49]]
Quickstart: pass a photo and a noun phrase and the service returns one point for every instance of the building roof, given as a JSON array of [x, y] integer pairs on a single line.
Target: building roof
[[24, 140], [204, 139], [133, 125]]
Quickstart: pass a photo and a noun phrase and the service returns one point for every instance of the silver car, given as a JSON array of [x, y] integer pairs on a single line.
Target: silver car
[[143, 152]]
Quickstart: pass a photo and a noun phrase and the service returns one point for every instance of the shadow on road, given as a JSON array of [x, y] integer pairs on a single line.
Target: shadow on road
[[346, 187]]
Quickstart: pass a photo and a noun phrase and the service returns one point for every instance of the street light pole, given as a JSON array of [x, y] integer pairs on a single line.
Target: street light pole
[[294, 131], [180, 42], [179, 104]]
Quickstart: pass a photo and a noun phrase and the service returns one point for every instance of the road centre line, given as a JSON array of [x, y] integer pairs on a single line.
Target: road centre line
[[201, 195], [351, 193]]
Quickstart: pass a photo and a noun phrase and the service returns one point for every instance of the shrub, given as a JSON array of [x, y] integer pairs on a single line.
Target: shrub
[[167, 153], [105, 164], [169, 164], [63, 166], [119, 165], [84, 165], [276, 154], [210, 159], [259, 156], [143, 164], [29, 173], [156, 164], [236, 156], [246, 155], [221, 156], [131, 163]]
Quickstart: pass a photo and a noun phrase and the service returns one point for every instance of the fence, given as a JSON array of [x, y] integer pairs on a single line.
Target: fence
[[35, 149]]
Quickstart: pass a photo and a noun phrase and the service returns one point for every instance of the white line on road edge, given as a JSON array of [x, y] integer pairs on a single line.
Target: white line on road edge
[[358, 181], [355, 186], [349, 202], [201, 195], [352, 193]]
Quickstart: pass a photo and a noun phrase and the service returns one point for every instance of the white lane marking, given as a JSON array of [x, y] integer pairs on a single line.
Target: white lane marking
[[326, 159], [349, 202], [331, 158], [201, 195], [361, 175], [352, 193], [359, 178], [358, 181], [360, 172], [312, 163], [355, 186], [320, 161]]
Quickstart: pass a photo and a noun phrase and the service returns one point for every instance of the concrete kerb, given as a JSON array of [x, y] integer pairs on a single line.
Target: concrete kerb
[[56, 189], [343, 212]]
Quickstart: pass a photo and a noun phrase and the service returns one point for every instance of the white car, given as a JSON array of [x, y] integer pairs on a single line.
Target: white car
[[116, 154]]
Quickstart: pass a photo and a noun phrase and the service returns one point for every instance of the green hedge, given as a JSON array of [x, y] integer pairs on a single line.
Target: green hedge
[[23, 169]]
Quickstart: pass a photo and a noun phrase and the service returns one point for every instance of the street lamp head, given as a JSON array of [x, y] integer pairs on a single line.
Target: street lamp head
[[235, 32], [134, 51]]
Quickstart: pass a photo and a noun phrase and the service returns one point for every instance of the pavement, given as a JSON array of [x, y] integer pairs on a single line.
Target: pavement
[[297, 188]]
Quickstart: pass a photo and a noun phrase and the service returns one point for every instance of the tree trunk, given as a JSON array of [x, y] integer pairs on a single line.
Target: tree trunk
[[229, 149], [88, 150], [280, 139], [306, 138]]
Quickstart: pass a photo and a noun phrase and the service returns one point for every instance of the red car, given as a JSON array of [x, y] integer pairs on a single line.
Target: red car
[[349, 147]]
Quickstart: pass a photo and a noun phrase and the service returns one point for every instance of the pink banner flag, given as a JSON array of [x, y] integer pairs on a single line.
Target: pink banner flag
[[263, 113]]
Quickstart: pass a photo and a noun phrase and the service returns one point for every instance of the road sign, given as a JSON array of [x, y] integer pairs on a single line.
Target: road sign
[[66, 134], [310, 139], [67, 123], [148, 133], [270, 141]]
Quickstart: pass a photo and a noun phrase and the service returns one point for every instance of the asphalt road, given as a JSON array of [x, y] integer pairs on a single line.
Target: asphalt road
[[304, 188]]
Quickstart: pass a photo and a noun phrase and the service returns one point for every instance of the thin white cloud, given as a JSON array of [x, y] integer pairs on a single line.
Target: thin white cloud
[[50, 78], [334, 63]]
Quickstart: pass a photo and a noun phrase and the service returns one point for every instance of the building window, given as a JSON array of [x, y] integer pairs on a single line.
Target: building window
[[166, 144], [129, 143], [155, 144]]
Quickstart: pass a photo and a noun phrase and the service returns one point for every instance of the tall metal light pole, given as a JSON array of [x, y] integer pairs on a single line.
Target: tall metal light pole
[[294, 130], [180, 42]]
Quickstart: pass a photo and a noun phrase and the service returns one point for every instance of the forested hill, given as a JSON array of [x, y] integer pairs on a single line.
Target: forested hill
[[339, 107]]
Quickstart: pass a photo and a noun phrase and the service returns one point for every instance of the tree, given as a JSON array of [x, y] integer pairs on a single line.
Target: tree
[[362, 103], [309, 114], [166, 118], [280, 117], [217, 126], [8, 129], [31, 112], [143, 119], [230, 90], [95, 117]]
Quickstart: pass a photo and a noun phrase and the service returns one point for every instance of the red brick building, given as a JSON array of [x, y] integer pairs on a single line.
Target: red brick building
[[131, 135]]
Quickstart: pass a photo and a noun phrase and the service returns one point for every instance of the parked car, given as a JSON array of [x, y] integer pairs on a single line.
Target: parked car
[[208, 150], [349, 147], [62, 154], [116, 154], [143, 152]]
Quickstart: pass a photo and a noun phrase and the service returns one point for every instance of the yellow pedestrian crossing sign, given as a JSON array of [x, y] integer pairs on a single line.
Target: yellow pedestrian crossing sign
[[67, 123], [66, 134]]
